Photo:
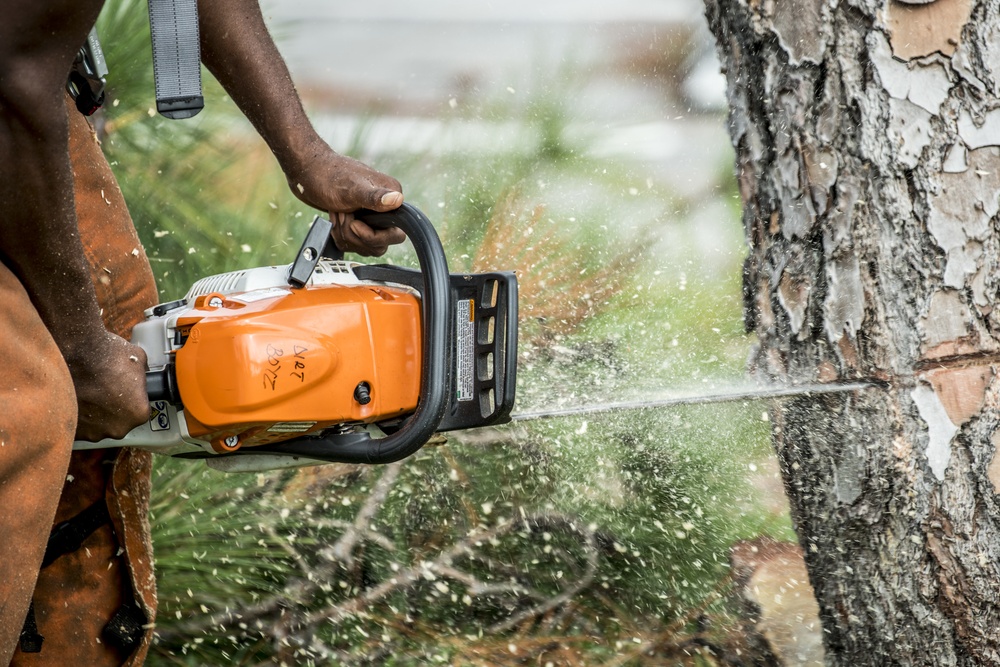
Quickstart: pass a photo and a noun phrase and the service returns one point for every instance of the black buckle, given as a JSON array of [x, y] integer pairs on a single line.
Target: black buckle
[[87, 78]]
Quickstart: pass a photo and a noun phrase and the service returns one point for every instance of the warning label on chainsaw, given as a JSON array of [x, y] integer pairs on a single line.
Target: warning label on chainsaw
[[159, 418], [465, 352]]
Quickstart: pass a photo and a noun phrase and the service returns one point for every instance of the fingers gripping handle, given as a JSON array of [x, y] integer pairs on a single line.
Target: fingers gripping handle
[[318, 242]]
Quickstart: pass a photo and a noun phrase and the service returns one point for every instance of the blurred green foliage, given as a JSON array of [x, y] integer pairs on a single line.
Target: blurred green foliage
[[621, 523]]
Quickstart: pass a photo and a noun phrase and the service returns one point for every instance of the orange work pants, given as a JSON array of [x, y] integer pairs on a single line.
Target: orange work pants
[[41, 484]]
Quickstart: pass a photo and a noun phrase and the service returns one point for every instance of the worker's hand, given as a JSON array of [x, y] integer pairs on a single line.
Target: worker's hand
[[341, 185], [353, 235], [110, 381]]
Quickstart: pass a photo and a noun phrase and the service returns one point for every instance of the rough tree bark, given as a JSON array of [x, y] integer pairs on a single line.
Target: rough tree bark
[[866, 136]]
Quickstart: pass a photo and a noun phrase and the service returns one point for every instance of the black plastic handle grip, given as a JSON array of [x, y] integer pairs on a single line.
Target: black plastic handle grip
[[434, 378]]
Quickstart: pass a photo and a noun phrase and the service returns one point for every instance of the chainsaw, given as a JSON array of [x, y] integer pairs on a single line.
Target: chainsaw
[[325, 360]]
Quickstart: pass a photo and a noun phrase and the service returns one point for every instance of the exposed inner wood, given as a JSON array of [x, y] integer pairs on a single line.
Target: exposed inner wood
[[920, 30]]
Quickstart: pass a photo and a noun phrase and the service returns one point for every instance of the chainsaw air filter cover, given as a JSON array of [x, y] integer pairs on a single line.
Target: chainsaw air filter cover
[[265, 365]]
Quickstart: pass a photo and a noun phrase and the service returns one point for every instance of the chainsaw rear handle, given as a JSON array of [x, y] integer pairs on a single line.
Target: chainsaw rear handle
[[434, 377]]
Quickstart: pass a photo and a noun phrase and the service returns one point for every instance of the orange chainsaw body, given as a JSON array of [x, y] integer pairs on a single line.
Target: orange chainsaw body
[[267, 366]]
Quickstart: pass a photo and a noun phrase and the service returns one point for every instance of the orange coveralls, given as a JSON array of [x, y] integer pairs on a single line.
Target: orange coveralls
[[75, 596]]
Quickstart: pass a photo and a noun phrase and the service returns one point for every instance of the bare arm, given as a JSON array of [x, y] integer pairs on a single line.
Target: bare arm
[[38, 228], [237, 48]]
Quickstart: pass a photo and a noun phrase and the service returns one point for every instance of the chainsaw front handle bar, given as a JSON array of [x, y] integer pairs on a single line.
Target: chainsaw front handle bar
[[436, 319]]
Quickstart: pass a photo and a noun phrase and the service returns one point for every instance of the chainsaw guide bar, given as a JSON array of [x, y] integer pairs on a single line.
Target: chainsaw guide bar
[[734, 396]]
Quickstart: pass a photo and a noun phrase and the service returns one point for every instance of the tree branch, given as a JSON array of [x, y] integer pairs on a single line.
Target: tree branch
[[343, 549]]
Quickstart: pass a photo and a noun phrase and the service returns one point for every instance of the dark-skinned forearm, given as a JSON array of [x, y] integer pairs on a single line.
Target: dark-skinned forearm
[[239, 51], [38, 231], [237, 48]]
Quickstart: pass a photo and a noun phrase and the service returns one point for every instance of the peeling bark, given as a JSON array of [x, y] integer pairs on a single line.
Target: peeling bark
[[922, 28], [771, 580], [867, 139]]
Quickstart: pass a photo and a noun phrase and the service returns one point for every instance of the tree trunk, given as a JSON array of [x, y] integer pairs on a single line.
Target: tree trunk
[[866, 136]]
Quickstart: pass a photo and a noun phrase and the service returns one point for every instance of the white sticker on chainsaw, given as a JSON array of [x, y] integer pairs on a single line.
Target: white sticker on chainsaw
[[465, 352], [291, 427], [261, 294], [159, 418]]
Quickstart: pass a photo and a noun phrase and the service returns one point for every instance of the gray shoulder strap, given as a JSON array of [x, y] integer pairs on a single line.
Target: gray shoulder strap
[[173, 25]]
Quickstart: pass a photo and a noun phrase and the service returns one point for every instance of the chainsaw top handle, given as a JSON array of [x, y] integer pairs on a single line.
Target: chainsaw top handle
[[434, 376]]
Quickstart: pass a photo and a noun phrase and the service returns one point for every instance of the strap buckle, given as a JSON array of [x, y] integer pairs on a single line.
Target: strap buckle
[[87, 77]]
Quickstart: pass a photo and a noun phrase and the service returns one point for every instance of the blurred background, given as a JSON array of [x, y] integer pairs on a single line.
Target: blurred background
[[582, 145]]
